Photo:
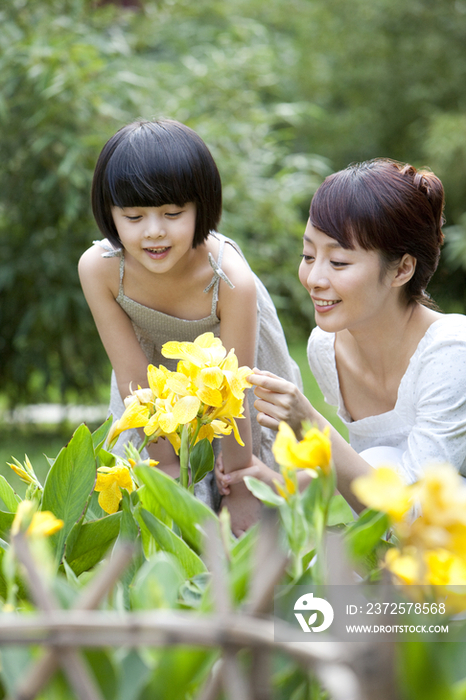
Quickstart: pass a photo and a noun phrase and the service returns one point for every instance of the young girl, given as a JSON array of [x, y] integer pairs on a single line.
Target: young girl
[[381, 352], [163, 273]]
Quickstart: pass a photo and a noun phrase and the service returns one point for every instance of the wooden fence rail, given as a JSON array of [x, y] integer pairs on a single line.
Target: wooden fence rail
[[350, 671]]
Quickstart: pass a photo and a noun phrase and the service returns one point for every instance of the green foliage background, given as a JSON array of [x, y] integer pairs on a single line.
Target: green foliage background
[[282, 92]]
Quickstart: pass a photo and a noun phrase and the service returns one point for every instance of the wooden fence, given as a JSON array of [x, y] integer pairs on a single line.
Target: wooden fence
[[349, 671]]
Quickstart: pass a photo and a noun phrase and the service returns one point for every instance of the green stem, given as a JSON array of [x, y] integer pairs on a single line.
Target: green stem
[[144, 443], [184, 457]]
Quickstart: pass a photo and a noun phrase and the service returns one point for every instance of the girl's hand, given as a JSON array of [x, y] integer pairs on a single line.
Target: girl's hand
[[277, 400], [257, 469]]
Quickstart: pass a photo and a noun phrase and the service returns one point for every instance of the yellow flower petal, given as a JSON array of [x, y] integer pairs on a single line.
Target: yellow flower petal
[[405, 566], [168, 423], [211, 397], [109, 500], [44, 524], [186, 409], [185, 351], [157, 378], [179, 383], [212, 377], [280, 490], [383, 489], [109, 482]]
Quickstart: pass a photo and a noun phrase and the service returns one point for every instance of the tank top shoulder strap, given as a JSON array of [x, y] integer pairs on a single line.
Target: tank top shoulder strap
[[111, 252], [219, 274]]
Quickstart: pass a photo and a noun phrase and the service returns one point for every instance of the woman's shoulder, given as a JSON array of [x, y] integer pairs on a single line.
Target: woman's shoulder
[[440, 358], [447, 329], [321, 341]]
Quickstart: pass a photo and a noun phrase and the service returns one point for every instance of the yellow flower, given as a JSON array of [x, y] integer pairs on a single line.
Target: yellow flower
[[313, 451], [110, 481], [206, 350], [290, 485], [215, 428], [442, 494], [135, 415], [383, 489], [445, 568], [404, 565], [26, 472], [35, 524], [44, 524]]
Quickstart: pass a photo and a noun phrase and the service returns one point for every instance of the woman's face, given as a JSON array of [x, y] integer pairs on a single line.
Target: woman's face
[[347, 287]]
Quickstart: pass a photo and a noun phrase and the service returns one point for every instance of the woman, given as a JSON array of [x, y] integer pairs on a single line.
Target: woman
[[381, 352]]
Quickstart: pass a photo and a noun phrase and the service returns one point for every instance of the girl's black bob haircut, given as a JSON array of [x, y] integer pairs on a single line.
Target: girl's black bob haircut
[[152, 163]]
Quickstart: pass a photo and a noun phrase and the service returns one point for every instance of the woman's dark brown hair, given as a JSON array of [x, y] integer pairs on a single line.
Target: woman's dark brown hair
[[149, 164], [389, 207]]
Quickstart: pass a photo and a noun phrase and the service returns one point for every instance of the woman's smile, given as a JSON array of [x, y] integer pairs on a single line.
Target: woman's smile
[[324, 305]]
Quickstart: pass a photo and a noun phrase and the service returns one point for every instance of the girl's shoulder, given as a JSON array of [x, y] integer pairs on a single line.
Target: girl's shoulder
[[96, 264]]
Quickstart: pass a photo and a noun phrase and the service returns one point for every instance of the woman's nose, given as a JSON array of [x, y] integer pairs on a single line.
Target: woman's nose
[[317, 276]]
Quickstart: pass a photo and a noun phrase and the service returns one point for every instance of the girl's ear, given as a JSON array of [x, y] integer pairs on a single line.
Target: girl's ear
[[404, 270]]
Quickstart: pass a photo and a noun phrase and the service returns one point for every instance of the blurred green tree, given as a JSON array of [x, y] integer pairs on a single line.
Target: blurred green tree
[[267, 84], [71, 74]]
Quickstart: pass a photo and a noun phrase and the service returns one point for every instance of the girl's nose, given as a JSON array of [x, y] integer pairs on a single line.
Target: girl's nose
[[154, 227]]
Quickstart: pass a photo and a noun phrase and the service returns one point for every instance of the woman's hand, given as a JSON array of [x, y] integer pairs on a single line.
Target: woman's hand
[[257, 469], [277, 400]]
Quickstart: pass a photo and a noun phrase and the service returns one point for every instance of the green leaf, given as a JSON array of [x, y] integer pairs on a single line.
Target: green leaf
[[129, 530], [169, 542], [133, 674], [69, 484], [157, 582], [180, 671], [201, 460], [263, 492], [9, 497], [185, 509], [152, 504], [6, 521], [311, 497], [106, 459], [339, 511], [100, 435], [363, 536], [92, 542]]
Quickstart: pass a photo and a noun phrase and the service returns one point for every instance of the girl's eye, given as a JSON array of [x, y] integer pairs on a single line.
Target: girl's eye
[[133, 218], [307, 258], [173, 214], [336, 263]]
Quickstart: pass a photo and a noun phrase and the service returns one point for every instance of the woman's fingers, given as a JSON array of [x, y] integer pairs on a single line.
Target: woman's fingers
[[279, 400]]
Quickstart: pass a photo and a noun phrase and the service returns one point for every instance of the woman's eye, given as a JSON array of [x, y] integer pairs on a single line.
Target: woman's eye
[[307, 258], [337, 263]]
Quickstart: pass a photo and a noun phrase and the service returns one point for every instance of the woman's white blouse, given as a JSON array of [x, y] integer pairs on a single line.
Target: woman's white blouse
[[428, 423]]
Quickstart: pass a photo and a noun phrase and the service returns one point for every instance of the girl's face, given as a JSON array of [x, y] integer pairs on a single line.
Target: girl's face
[[156, 237], [347, 287]]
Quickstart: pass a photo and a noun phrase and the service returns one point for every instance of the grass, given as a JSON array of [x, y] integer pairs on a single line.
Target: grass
[[40, 442]]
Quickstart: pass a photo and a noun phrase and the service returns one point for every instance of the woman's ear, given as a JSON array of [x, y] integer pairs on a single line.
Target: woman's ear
[[404, 270]]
